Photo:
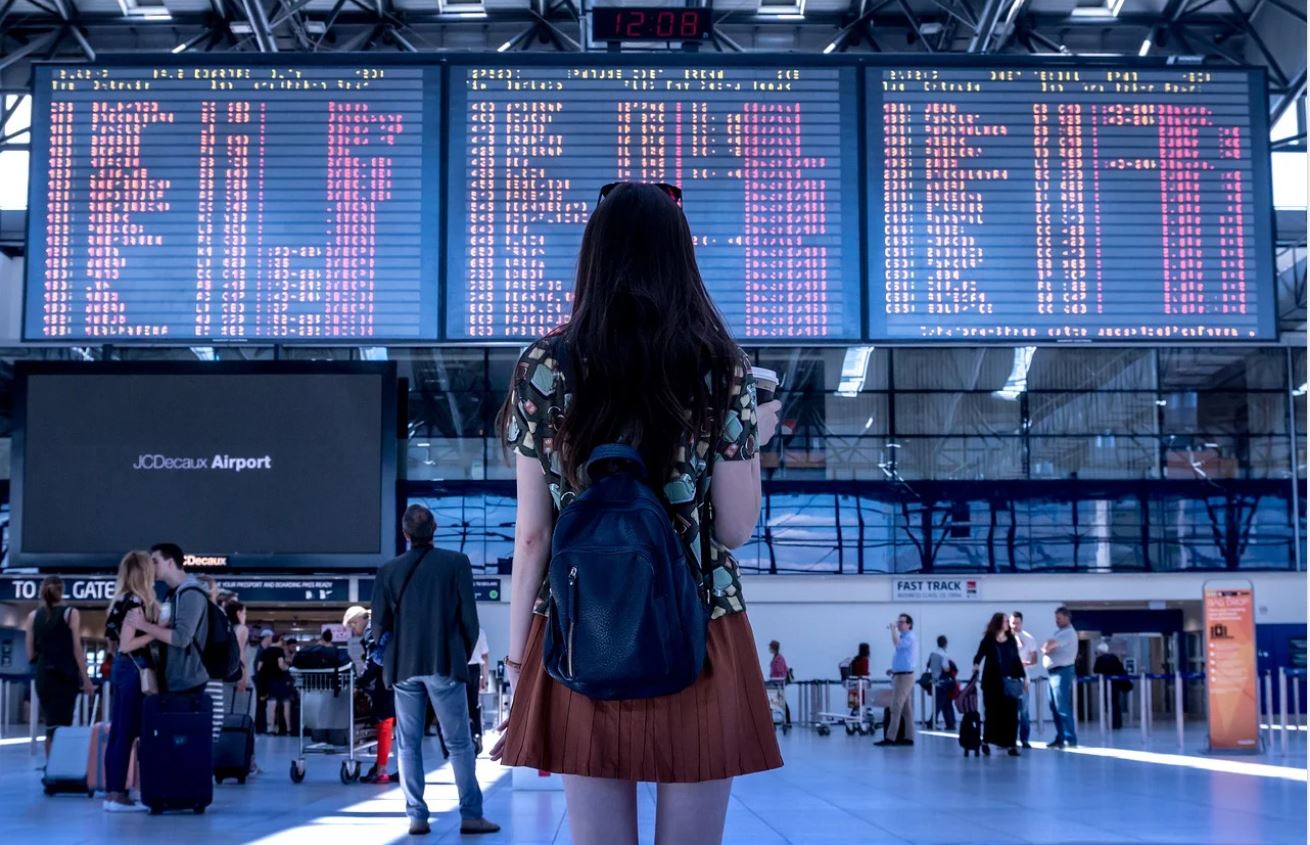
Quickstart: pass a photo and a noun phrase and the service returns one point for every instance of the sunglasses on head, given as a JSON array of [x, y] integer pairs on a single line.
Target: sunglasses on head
[[673, 192]]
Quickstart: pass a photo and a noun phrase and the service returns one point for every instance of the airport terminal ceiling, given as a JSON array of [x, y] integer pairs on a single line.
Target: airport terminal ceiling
[[1267, 34]]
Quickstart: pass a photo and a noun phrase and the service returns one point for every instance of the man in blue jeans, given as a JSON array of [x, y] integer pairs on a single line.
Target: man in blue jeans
[[1060, 653], [425, 613]]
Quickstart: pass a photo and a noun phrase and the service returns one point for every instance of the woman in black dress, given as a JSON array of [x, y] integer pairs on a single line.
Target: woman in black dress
[[999, 655]]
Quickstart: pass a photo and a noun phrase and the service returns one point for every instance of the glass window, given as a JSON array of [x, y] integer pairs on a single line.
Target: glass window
[[433, 458], [1101, 533], [956, 413], [13, 180], [479, 524], [1092, 413], [959, 458], [1084, 369], [1098, 456], [1220, 532], [827, 369], [862, 414], [954, 368], [1218, 368], [1289, 179], [1190, 412]]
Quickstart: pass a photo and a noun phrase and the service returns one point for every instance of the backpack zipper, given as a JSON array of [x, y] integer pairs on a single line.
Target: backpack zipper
[[573, 595]]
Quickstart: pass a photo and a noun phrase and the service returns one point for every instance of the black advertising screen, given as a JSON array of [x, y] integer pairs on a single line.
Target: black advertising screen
[[766, 156], [1078, 203], [228, 202], [276, 465]]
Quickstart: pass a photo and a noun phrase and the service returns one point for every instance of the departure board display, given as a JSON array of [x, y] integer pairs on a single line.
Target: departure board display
[[766, 157], [1048, 204], [229, 202]]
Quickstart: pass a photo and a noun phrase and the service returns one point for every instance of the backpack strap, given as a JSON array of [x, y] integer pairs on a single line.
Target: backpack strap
[[177, 600], [395, 651]]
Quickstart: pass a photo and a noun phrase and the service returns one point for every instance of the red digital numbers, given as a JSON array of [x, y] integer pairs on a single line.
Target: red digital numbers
[[638, 24]]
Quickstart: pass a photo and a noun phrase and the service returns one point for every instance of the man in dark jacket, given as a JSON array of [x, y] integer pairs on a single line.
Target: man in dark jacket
[[424, 608]]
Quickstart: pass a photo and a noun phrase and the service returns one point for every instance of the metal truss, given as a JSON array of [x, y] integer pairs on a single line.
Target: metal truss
[[1205, 32]]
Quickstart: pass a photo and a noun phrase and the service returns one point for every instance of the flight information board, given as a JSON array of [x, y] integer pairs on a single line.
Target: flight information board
[[183, 202], [767, 159], [1051, 204]]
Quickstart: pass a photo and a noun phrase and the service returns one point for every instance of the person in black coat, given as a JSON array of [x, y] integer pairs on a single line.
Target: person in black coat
[[998, 653]]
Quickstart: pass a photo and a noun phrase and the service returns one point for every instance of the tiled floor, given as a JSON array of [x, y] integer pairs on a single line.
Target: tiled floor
[[834, 789]]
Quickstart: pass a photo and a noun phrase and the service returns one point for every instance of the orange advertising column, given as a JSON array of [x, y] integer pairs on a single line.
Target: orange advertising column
[[1231, 680]]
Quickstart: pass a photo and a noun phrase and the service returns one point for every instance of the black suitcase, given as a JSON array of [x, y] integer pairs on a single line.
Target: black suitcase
[[234, 748], [176, 752], [971, 733]]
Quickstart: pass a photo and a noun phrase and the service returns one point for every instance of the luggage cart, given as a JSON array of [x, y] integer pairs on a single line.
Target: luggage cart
[[777, 690], [861, 703], [327, 699]]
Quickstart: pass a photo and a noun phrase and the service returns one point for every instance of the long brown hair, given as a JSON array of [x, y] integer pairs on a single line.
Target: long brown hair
[[995, 626], [52, 590], [648, 353]]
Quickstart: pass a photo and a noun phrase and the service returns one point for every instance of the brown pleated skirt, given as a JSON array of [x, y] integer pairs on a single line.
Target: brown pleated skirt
[[719, 727]]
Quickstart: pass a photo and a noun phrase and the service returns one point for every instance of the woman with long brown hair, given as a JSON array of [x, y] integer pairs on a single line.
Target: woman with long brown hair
[[1004, 682], [135, 590], [54, 644], [646, 361]]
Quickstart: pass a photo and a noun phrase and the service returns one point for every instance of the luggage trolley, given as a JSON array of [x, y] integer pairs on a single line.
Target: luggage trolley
[[777, 690], [327, 712], [861, 704]]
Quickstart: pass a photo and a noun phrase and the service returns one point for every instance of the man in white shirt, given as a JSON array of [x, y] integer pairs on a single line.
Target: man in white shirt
[[1030, 655], [1060, 653], [479, 675], [940, 669]]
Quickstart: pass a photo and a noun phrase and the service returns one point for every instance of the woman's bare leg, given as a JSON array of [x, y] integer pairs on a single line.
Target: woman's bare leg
[[602, 811], [691, 813]]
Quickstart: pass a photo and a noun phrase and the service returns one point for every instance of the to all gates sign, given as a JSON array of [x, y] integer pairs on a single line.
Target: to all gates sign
[[935, 589], [96, 590]]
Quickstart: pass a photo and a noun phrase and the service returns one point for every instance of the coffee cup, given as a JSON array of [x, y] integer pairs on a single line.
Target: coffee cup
[[766, 384]]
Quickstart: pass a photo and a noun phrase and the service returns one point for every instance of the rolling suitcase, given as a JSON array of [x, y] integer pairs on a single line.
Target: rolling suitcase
[[971, 734], [176, 752], [235, 747], [68, 767], [95, 773]]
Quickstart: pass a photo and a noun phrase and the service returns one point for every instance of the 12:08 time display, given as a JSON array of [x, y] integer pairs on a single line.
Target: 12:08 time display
[[656, 24]]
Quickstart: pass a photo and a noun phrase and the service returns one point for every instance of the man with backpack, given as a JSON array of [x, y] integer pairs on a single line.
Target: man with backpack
[[425, 613], [176, 752], [184, 622]]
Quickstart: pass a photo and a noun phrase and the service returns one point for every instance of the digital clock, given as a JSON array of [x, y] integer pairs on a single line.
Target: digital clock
[[659, 23]]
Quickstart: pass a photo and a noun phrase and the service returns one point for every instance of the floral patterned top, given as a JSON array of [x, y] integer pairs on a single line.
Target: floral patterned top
[[541, 397]]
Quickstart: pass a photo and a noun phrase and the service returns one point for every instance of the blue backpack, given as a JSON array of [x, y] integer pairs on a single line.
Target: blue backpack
[[627, 617]]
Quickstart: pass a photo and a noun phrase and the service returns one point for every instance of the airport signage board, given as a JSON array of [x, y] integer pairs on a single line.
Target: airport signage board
[[936, 589], [1230, 667], [77, 590], [484, 590]]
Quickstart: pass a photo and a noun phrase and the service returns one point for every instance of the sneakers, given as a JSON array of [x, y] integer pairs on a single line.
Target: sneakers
[[1027, 745], [119, 807], [418, 828], [478, 826], [1014, 752]]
